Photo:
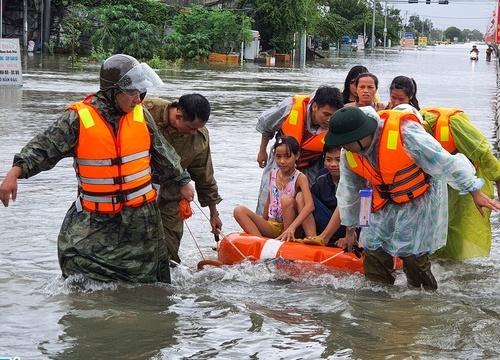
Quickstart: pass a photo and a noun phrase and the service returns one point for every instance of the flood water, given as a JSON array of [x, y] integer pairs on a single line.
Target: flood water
[[248, 311]]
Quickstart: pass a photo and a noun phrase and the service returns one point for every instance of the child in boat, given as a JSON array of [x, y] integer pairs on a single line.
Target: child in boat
[[281, 218], [326, 217]]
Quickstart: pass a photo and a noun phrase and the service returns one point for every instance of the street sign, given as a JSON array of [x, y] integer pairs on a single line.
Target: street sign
[[10, 62]]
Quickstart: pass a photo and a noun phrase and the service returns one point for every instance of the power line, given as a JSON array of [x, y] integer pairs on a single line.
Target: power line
[[455, 18]]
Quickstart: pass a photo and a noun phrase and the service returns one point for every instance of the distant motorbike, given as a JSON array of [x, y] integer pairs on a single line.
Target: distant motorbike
[[474, 55]]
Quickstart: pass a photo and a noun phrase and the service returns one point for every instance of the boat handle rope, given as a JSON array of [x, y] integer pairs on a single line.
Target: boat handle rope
[[332, 257], [205, 261]]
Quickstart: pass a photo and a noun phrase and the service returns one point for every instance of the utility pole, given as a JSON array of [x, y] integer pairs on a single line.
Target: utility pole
[[373, 25], [385, 26]]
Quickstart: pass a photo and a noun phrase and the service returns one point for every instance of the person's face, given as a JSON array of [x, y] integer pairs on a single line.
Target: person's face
[[321, 115], [128, 101], [185, 127], [398, 97], [332, 163], [366, 90], [360, 145], [284, 158]]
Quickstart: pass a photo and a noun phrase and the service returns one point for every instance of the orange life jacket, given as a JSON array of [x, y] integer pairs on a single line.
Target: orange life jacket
[[442, 131], [295, 125], [398, 178], [112, 171]]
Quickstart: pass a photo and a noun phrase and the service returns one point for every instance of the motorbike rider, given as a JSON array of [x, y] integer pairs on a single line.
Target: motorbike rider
[[474, 51]]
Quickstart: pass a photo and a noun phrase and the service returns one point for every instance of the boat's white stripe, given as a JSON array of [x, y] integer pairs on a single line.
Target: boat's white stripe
[[270, 249]]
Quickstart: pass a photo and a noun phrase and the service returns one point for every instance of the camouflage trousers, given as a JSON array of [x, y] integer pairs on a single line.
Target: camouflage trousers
[[173, 227], [127, 246]]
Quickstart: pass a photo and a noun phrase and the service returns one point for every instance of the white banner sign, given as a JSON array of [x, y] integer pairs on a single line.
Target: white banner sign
[[10, 62]]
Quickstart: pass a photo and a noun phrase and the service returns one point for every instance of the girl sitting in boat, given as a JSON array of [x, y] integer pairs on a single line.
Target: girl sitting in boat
[[281, 218]]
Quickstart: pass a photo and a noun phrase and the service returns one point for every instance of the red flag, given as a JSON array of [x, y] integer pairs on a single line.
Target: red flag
[[497, 32]]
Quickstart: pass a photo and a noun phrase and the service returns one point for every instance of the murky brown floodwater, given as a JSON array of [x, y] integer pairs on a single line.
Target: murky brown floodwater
[[245, 311]]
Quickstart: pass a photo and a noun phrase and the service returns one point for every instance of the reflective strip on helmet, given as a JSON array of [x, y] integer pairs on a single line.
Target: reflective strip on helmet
[[109, 162], [113, 181], [113, 199], [86, 118]]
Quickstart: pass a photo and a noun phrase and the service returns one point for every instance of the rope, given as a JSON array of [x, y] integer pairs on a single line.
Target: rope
[[195, 242], [332, 257], [201, 210], [185, 208], [223, 235], [185, 211]]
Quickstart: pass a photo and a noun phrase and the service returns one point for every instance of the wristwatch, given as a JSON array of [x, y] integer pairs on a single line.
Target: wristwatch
[[351, 227]]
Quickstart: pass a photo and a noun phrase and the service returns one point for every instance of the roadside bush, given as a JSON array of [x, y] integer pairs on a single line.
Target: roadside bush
[[198, 31], [121, 29]]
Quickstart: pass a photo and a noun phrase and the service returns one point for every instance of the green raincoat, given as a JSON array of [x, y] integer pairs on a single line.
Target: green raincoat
[[469, 234]]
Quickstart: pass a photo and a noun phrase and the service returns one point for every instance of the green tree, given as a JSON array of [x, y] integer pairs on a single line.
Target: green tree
[[472, 35], [345, 17], [279, 21], [351, 17], [395, 26], [121, 28], [75, 23], [199, 30], [420, 27], [332, 27], [452, 33]]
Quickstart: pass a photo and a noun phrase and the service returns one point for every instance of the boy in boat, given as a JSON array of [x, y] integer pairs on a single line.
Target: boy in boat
[[326, 217]]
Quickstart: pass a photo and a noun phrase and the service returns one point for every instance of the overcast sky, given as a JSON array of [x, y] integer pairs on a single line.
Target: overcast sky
[[464, 14]]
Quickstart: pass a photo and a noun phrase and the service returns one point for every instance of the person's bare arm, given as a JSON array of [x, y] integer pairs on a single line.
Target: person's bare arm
[[8, 188]]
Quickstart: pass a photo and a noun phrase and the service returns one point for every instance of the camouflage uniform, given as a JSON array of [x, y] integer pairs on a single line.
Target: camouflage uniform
[[194, 151], [126, 246]]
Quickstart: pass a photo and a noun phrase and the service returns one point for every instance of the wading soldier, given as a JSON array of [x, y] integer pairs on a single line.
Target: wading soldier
[[113, 230]]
